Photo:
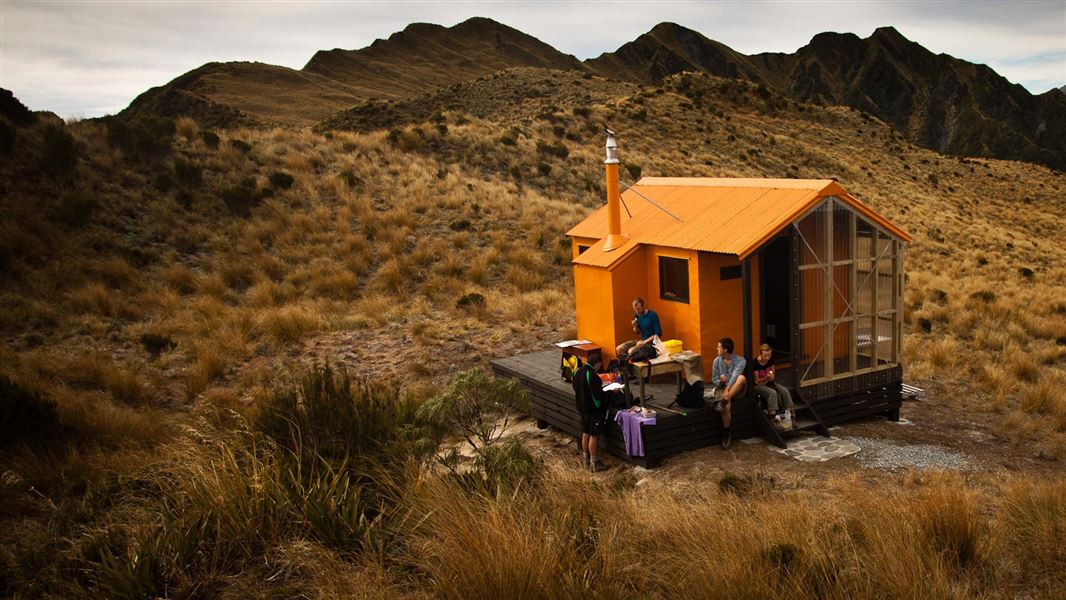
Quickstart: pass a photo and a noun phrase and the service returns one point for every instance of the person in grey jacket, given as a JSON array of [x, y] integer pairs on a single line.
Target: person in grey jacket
[[727, 374]]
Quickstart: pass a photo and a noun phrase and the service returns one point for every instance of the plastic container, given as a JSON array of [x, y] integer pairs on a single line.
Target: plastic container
[[673, 346]]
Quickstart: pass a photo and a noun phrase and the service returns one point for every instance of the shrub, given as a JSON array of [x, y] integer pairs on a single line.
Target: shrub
[[163, 181], [507, 466], [187, 172], [241, 198], [281, 180], [925, 325], [557, 149], [1026, 272], [210, 139], [155, 344], [25, 416], [351, 179], [582, 111], [476, 406], [544, 168], [60, 153], [76, 208], [634, 171], [142, 138], [241, 146], [472, 301], [328, 416]]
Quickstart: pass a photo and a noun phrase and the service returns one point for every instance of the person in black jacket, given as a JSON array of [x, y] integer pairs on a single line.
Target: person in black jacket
[[592, 404]]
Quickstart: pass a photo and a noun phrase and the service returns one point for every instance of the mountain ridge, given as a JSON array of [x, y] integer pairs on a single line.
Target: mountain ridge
[[934, 100]]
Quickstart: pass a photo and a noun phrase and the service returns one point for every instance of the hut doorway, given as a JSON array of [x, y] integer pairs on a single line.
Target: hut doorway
[[774, 275]]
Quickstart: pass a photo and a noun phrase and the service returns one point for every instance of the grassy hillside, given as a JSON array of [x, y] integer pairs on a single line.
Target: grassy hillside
[[166, 287]]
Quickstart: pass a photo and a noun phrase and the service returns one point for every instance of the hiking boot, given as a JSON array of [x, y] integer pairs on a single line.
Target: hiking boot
[[727, 440], [595, 465], [719, 405], [587, 459]]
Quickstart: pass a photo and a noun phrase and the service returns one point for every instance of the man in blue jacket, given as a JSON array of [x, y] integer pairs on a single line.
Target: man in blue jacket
[[727, 375], [645, 324]]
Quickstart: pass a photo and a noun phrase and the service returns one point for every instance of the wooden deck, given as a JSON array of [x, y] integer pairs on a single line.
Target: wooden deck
[[552, 403]]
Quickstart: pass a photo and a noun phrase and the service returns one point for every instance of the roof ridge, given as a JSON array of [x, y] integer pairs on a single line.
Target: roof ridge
[[746, 182]]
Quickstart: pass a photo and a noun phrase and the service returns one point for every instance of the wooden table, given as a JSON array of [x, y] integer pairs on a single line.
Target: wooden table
[[650, 369], [583, 351]]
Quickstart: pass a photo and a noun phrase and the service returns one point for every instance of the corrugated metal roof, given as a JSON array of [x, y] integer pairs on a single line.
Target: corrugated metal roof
[[596, 257], [727, 216]]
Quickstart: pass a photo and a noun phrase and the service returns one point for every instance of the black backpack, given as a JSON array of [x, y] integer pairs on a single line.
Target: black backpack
[[642, 353], [691, 395]]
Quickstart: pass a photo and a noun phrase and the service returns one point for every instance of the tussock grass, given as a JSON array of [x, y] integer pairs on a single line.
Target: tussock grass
[[94, 298], [288, 324]]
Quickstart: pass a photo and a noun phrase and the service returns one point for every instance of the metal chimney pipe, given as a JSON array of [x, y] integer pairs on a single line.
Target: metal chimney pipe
[[614, 200]]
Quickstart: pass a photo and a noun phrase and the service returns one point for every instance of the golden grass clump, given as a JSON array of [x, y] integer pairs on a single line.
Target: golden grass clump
[[209, 364], [1032, 524], [94, 298], [188, 128], [288, 324], [332, 282], [180, 278], [1047, 396]]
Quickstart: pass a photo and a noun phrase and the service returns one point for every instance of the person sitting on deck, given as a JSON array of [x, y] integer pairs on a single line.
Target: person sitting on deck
[[766, 384], [592, 403], [645, 324], [727, 373]]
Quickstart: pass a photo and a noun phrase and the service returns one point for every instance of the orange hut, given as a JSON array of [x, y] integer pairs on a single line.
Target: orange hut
[[801, 264]]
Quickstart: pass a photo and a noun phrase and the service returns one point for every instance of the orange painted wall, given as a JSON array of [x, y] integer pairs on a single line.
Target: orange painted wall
[[680, 321], [628, 281], [722, 307], [604, 301], [592, 296], [715, 307]]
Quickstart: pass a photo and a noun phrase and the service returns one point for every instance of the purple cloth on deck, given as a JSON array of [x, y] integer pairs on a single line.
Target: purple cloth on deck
[[631, 432]]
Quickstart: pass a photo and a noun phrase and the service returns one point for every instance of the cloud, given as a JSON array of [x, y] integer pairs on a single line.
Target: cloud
[[84, 57]]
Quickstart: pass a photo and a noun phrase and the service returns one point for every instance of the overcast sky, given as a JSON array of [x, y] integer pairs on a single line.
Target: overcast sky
[[92, 57]]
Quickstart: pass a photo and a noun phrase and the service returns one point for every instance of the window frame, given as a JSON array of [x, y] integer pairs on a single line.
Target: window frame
[[687, 299]]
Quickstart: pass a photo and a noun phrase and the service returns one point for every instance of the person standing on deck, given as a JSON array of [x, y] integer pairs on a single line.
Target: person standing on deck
[[645, 324], [727, 373], [592, 406]]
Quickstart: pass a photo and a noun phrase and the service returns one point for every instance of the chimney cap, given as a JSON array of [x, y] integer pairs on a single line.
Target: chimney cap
[[612, 148]]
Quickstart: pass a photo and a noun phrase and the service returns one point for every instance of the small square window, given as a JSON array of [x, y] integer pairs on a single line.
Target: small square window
[[729, 273], [673, 279]]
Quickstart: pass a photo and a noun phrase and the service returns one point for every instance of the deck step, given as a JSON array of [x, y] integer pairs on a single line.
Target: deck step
[[910, 392]]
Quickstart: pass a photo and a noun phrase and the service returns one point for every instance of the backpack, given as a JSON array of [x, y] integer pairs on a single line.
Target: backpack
[[570, 365], [642, 353], [691, 395]]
